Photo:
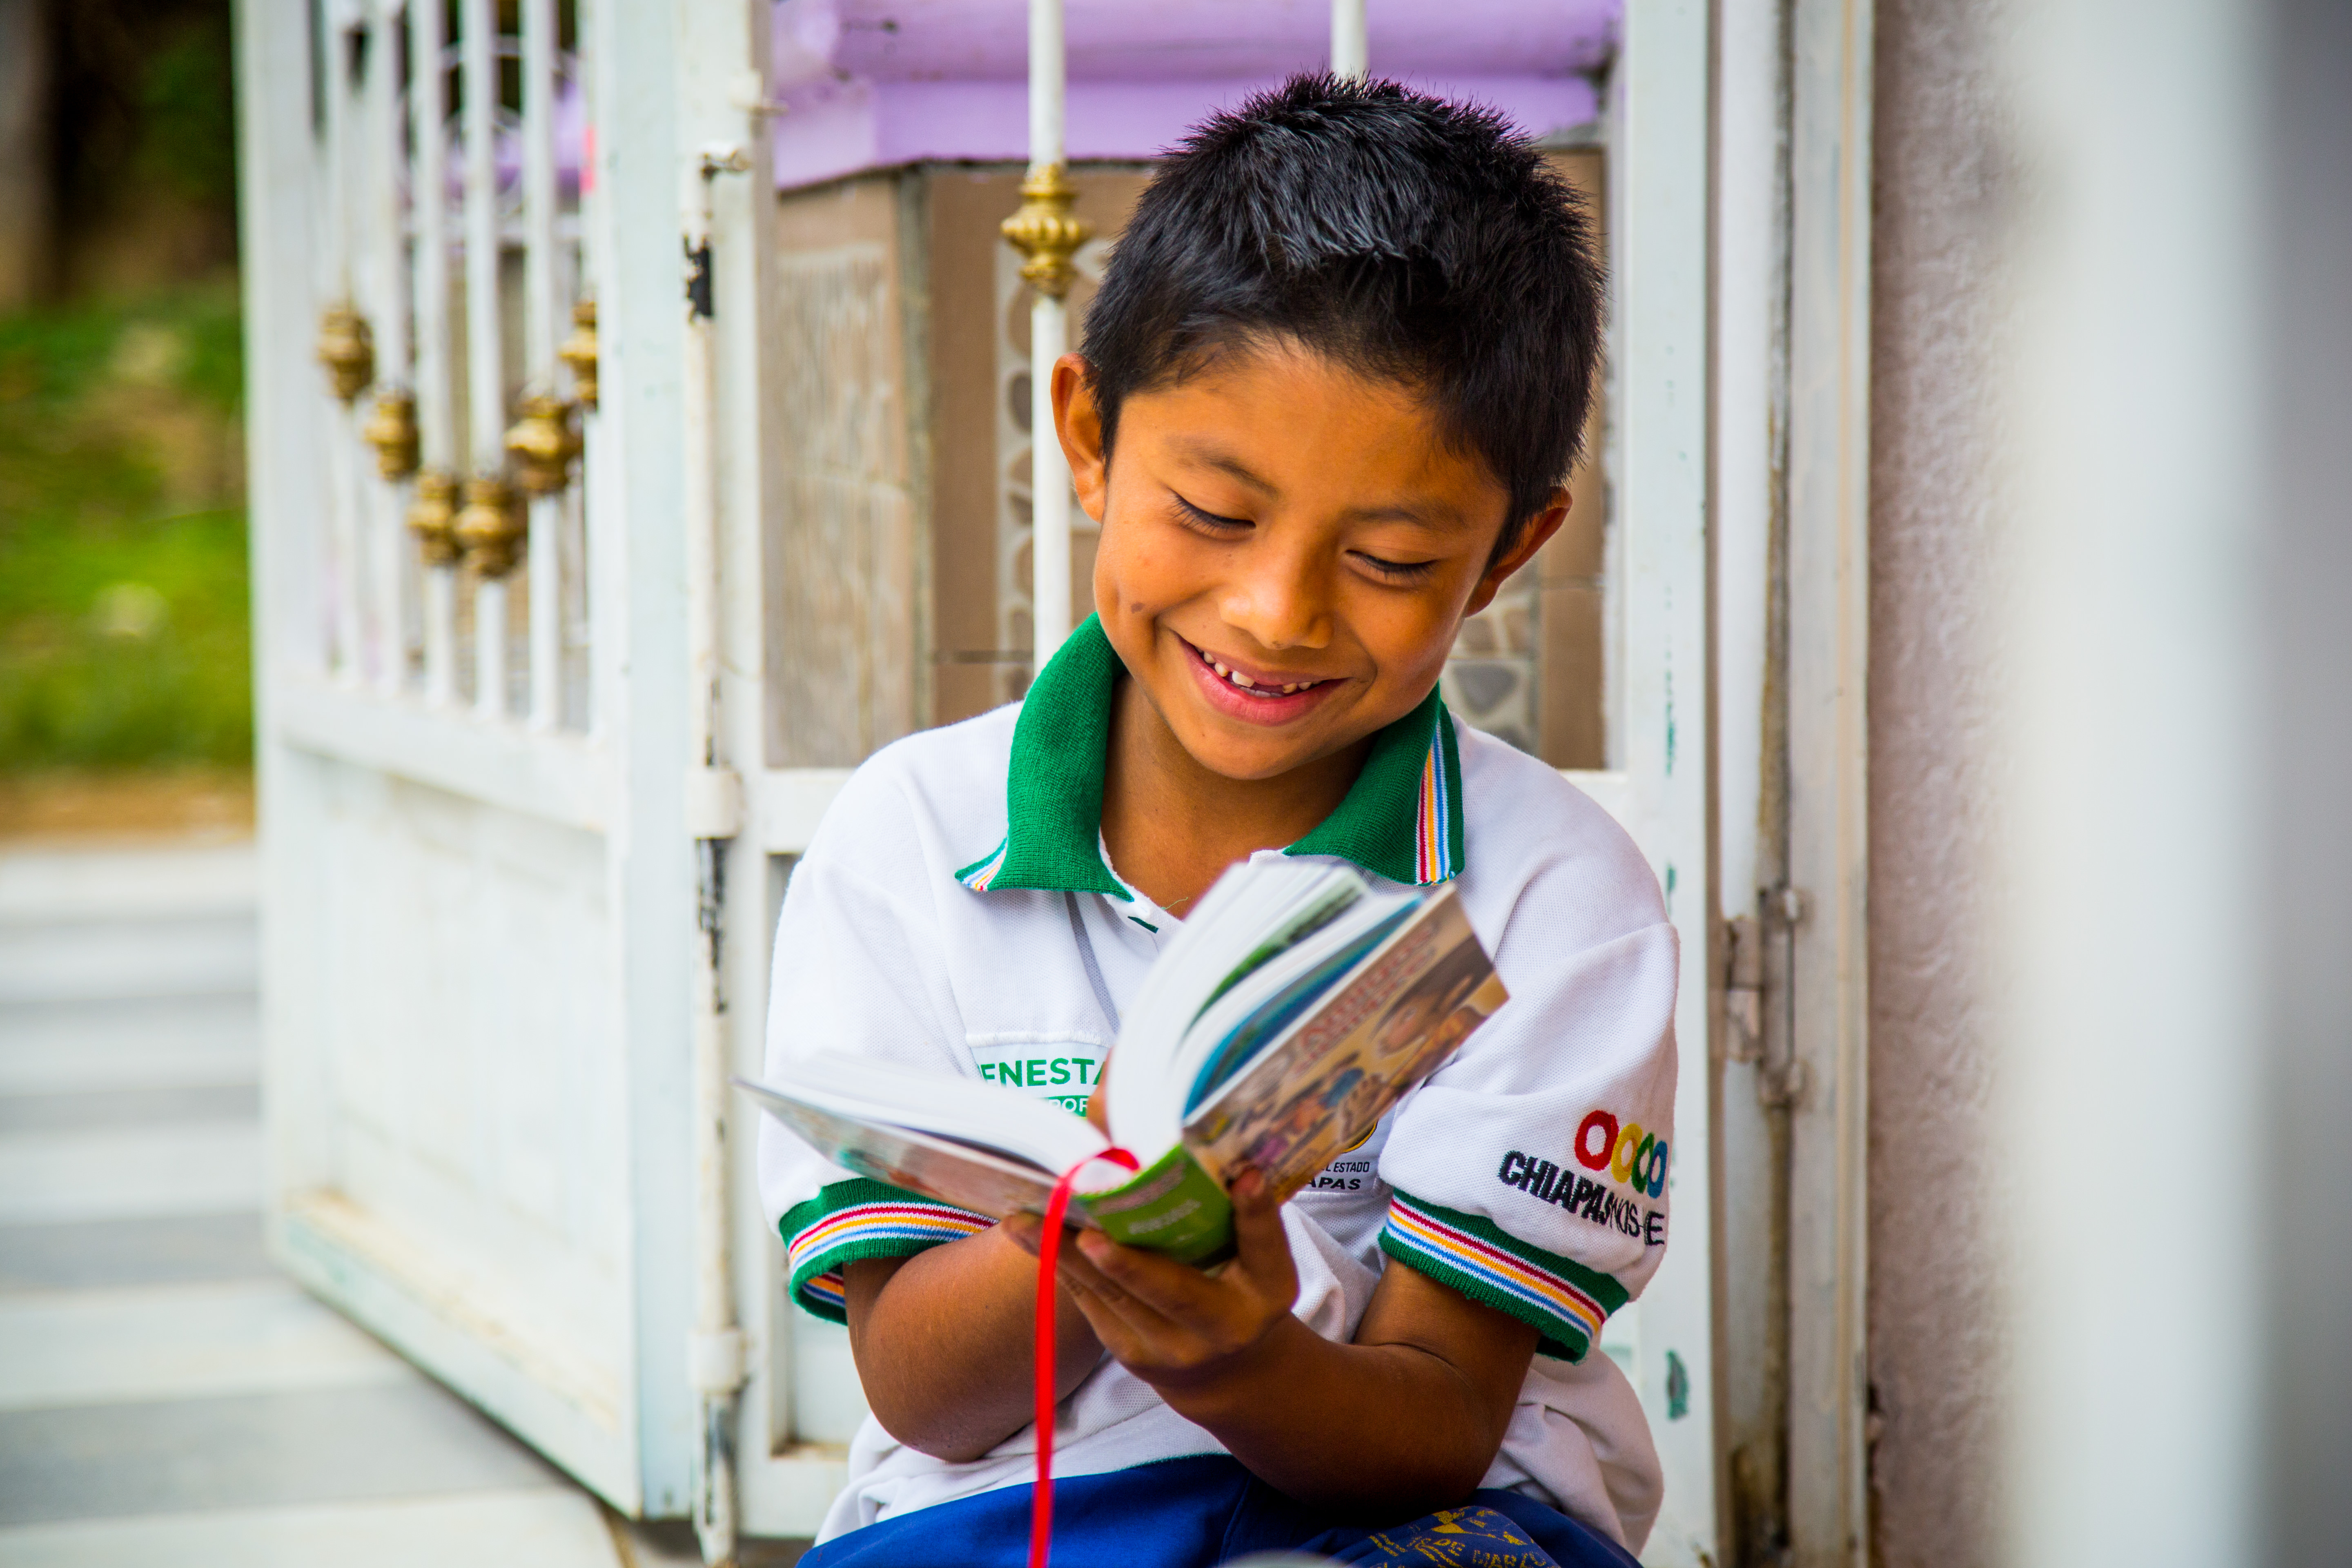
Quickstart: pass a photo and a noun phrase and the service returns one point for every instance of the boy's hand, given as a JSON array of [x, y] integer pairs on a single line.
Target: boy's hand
[[1174, 1327]]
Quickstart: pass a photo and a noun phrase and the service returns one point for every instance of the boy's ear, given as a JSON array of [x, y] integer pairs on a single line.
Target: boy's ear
[[1078, 422], [1532, 537]]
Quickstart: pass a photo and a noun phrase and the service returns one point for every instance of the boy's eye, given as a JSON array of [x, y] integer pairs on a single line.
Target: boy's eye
[[1398, 572], [1208, 520]]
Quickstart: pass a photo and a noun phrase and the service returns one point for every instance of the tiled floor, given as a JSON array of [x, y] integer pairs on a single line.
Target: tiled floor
[[165, 1396]]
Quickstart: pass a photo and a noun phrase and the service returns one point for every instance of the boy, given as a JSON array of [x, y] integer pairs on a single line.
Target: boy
[[1335, 374]]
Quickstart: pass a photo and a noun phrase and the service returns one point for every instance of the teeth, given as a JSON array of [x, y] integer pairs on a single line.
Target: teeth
[[1235, 678]]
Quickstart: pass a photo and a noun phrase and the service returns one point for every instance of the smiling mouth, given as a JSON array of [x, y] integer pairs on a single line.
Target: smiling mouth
[[1236, 681]]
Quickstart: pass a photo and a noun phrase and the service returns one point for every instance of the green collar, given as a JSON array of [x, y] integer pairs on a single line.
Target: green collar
[[1401, 819]]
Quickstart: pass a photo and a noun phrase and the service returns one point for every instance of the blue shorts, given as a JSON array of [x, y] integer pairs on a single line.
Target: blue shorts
[[1205, 1510]]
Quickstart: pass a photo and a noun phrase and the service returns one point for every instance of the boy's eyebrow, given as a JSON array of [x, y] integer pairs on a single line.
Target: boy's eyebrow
[[1224, 463], [1445, 519]]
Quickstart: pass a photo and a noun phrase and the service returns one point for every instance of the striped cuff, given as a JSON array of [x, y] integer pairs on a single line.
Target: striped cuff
[[850, 1221], [1563, 1300]]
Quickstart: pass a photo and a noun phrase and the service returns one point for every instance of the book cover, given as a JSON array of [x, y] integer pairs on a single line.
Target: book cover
[[1315, 1092], [981, 1180]]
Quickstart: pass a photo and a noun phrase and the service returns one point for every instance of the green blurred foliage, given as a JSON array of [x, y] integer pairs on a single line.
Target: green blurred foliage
[[188, 113], [123, 609]]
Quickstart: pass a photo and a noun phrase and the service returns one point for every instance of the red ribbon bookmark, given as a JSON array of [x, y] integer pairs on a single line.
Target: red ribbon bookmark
[[1049, 1255]]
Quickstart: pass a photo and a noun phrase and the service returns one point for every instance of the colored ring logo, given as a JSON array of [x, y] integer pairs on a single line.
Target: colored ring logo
[[1628, 1154]]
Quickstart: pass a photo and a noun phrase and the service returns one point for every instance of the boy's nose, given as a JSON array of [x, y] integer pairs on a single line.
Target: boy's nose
[[1282, 602]]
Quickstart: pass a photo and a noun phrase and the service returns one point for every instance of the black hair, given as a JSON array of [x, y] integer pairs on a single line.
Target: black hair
[[1400, 235]]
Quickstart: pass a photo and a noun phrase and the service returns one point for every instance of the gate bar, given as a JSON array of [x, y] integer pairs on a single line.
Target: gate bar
[[540, 330], [388, 306], [486, 372], [437, 427], [345, 500]]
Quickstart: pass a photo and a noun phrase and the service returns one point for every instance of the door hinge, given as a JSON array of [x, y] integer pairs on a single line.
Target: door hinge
[[1743, 990], [1783, 1085], [714, 802]]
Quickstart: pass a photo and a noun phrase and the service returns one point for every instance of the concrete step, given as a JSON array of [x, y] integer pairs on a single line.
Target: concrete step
[[64, 1047], [118, 959], [48, 887]]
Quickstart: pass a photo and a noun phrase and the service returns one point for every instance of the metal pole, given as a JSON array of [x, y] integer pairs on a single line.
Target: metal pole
[[393, 430], [544, 566], [433, 513], [1351, 44], [486, 392], [1049, 329], [716, 1351], [343, 533]]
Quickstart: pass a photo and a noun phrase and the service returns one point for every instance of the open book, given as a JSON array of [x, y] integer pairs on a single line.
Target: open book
[[1293, 1008]]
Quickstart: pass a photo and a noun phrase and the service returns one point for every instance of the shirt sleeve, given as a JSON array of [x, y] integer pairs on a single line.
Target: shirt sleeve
[[1532, 1172], [856, 971]]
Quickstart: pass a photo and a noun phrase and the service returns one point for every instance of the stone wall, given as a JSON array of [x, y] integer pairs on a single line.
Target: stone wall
[[1936, 1351]]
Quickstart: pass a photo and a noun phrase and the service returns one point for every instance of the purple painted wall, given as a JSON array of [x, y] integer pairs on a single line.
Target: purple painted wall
[[873, 83]]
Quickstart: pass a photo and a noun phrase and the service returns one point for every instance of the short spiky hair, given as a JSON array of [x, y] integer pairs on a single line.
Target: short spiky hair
[[1402, 236]]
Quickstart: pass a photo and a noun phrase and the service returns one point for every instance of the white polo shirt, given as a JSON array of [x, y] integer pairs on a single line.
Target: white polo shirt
[[956, 912]]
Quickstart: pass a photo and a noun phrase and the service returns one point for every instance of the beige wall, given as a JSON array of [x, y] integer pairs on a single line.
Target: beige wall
[[1936, 1355]]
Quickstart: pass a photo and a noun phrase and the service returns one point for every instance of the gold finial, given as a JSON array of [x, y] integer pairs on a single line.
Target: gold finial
[[433, 517], [491, 530], [1045, 232], [392, 431], [578, 351], [543, 444], [347, 348]]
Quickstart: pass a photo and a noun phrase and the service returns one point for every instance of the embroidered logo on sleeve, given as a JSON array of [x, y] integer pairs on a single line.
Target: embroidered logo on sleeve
[[1627, 1152], [1617, 1155], [1582, 1196]]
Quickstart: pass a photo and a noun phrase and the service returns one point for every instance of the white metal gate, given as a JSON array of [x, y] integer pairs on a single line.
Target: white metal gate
[[492, 809], [519, 830]]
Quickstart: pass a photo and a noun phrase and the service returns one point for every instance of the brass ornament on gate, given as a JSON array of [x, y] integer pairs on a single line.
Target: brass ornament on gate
[[1046, 232], [433, 517], [392, 431], [578, 351], [491, 529], [542, 444], [347, 348]]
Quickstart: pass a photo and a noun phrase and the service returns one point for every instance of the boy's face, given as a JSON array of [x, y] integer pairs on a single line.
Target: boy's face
[[1287, 550]]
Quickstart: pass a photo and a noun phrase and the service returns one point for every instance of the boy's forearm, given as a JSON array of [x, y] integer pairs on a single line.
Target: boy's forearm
[[944, 1343], [1380, 1431]]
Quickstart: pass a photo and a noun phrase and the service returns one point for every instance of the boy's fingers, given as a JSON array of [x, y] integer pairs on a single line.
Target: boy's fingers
[[1077, 1267], [1263, 1245], [1170, 1288], [1135, 1319], [1251, 1196]]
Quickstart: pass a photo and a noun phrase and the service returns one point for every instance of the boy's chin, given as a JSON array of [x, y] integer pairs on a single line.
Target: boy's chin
[[1251, 754]]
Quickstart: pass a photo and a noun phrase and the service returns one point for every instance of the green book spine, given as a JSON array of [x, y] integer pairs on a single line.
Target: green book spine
[[1172, 1206]]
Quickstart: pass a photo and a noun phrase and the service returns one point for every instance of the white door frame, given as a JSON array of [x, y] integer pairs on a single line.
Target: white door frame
[[1660, 183], [1828, 752]]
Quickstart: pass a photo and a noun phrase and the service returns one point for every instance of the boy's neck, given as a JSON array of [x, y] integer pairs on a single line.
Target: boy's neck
[[1172, 826]]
